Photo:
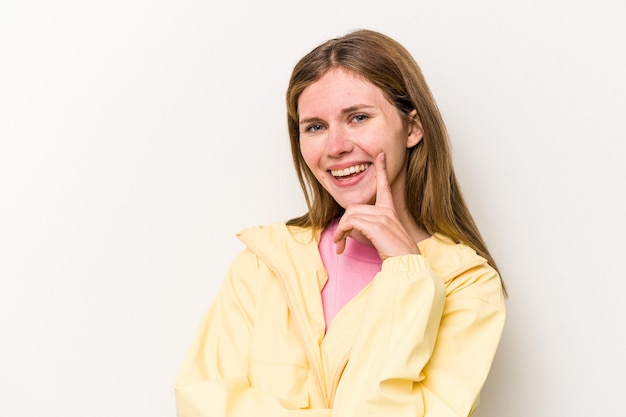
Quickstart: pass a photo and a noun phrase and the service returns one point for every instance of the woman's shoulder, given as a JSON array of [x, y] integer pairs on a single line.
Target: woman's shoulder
[[461, 269], [448, 258], [280, 242], [267, 242]]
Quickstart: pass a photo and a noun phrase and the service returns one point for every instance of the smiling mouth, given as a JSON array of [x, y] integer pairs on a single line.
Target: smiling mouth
[[349, 172]]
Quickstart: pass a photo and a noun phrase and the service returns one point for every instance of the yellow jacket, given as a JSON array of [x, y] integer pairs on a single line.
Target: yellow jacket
[[417, 341]]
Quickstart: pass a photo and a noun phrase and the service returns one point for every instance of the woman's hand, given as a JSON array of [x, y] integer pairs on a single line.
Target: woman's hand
[[378, 223]]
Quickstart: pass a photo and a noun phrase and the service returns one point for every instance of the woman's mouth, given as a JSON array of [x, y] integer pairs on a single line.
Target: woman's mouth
[[349, 171]]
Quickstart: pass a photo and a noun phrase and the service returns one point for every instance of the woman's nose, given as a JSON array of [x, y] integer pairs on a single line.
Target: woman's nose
[[338, 142]]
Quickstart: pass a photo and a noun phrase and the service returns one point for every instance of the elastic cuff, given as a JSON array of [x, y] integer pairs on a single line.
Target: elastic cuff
[[406, 263]]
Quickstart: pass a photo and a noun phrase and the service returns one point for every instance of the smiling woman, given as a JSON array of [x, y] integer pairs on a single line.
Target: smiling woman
[[345, 123], [382, 299]]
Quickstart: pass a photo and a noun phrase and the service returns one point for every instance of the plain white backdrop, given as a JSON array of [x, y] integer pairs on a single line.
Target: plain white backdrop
[[136, 138]]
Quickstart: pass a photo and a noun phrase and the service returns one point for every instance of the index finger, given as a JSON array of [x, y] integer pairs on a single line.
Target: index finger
[[383, 189]]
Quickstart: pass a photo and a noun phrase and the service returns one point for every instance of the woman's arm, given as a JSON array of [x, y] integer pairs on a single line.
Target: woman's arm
[[470, 331], [420, 352]]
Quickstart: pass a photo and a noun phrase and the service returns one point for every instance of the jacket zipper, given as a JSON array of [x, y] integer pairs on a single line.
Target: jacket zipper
[[337, 377]]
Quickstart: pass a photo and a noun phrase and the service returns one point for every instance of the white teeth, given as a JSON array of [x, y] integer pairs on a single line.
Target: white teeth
[[350, 170]]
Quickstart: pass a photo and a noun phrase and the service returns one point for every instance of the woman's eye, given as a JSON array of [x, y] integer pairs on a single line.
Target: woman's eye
[[316, 127], [359, 118]]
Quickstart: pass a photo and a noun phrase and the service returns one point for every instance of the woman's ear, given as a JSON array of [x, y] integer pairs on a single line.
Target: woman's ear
[[415, 131]]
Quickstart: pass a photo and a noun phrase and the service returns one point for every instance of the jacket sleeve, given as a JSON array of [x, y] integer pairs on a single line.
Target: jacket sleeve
[[423, 349], [207, 385]]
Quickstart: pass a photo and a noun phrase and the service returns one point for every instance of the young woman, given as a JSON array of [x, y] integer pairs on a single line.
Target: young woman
[[382, 299]]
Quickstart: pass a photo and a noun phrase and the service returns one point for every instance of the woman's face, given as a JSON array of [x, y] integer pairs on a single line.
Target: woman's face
[[345, 121]]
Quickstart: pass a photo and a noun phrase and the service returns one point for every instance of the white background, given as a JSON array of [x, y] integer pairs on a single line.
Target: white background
[[136, 137]]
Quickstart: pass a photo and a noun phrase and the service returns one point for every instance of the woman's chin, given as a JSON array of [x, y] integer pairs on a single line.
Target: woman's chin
[[347, 202]]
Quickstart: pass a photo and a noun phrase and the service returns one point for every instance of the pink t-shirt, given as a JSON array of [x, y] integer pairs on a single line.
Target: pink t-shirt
[[348, 273]]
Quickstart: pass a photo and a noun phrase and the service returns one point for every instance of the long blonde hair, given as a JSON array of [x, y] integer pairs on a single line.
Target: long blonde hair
[[432, 193]]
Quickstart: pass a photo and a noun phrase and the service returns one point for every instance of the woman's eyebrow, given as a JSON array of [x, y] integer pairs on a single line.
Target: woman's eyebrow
[[355, 108], [310, 120], [347, 110]]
